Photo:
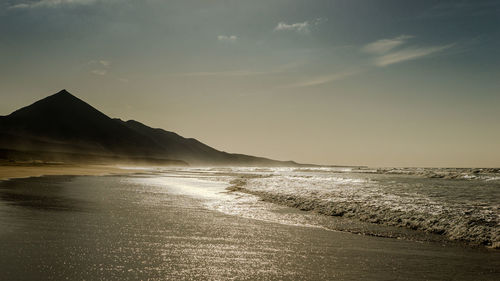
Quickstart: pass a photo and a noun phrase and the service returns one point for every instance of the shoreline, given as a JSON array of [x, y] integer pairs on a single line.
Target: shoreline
[[461, 230], [393, 231], [20, 170]]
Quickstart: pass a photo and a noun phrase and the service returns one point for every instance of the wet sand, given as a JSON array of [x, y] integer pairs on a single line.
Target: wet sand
[[24, 170], [113, 228]]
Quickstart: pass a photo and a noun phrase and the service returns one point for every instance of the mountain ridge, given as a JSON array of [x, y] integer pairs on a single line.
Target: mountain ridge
[[64, 124]]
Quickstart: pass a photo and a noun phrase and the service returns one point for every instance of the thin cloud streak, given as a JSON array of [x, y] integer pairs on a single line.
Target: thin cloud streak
[[300, 27], [227, 38], [410, 53], [105, 63], [384, 45], [324, 79], [51, 3], [390, 51], [285, 68], [223, 73], [100, 72]]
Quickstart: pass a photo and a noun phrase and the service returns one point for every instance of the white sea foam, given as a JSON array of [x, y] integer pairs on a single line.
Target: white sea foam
[[457, 207], [211, 190], [460, 204]]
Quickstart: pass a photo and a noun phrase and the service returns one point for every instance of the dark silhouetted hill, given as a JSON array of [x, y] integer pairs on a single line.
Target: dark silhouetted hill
[[64, 126]]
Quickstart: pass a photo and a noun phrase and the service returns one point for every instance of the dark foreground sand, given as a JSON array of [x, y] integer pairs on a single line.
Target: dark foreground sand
[[113, 228]]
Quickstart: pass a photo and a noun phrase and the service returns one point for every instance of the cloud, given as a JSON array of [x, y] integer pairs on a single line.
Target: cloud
[[100, 72], [105, 63], [384, 45], [227, 38], [394, 50], [300, 27], [50, 3], [224, 73], [410, 53], [323, 79], [385, 51], [101, 67], [284, 68]]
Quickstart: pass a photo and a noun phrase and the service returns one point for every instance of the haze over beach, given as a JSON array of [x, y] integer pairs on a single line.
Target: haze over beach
[[249, 140]]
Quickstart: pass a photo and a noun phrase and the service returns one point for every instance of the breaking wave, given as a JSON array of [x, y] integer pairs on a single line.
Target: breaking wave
[[453, 206]]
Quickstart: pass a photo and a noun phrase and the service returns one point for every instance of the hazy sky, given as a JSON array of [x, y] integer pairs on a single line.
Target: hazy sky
[[407, 83]]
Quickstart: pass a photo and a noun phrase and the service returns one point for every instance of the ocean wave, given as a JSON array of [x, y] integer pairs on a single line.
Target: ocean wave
[[389, 202], [486, 174], [443, 173]]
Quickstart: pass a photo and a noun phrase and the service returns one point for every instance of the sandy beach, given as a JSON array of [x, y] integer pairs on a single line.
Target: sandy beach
[[177, 227], [24, 170]]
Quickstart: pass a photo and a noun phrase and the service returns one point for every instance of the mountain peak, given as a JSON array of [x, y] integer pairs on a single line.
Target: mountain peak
[[61, 105], [63, 92], [64, 118]]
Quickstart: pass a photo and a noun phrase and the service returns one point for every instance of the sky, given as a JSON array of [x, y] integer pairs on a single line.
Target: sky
[[377, 83]]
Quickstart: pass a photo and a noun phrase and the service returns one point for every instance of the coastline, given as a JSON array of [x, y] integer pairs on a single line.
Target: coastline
[[375, 201], [352, 224]]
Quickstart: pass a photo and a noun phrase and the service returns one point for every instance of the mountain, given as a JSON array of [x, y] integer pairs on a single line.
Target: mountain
[[63, 127]]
